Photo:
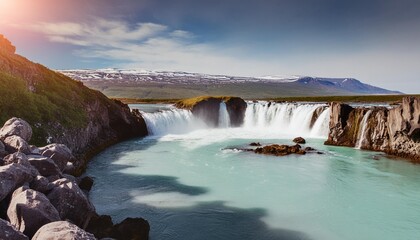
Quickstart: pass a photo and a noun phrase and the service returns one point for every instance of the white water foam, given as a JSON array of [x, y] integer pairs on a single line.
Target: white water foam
[[362, 130], [275, 119], [224, 119]]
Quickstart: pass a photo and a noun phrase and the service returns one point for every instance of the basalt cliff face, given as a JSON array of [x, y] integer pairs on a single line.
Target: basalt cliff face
[[62, 110], [208, 109], [395, 131]]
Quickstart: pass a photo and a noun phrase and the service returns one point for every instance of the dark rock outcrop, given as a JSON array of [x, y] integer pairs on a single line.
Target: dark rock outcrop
[[8, 231], [236, 108], [207, 109], [280, 150], [299, 140], [30, 210], [62, 230], [395, 131], [131, 228]]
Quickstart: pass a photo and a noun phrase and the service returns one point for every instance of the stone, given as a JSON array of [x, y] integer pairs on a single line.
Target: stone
[[41, 184], [34, 150], [30, 210], [3, 151], [8, 231], [12, 176], [45, 166], [62, 230], [86, 183], [255, 144], [21, 159], [299, 140], [131, 228], [60, 153], [16, 144], [280, 150], [100, 225], [16, 127], [71, 202]]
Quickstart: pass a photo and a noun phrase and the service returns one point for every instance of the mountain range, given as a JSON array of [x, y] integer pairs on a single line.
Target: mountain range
[[145, 84]]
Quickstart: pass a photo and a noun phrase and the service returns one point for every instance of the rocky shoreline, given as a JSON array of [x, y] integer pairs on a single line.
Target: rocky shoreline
[[41, 199]]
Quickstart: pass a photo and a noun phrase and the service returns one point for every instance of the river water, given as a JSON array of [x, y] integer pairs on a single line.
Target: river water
[[191, 182]]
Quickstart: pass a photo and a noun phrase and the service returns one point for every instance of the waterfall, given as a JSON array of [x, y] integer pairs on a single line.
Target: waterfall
[[362, 130], [321, 126], [282, 119], [287, 118], [224, 119], [174, 121]]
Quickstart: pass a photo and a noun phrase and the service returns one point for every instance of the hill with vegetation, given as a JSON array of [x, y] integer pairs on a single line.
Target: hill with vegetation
[[61, 109]]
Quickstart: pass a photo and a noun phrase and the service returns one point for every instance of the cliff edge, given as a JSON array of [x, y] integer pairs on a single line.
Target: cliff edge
[[395, 131]]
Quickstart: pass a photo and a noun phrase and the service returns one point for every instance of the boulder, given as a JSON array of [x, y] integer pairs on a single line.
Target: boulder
[[34, 150], [16, 127], [60, 153], [16, 144], [255, 144], [8, 231], [86, 183], [62, 230], [71, 202], [21, 159], [3, 151], [41, 184], [30, 210], [12, 176], [45, 166], [100, 225], [280, 150], [131, 228], [299, 140]]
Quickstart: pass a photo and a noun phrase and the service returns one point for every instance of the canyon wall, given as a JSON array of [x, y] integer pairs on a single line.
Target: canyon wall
[[395, 131]]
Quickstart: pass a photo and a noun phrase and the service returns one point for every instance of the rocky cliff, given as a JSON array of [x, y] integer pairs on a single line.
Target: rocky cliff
[[40, 200], [207, 109], [61, 109], [395, 131]]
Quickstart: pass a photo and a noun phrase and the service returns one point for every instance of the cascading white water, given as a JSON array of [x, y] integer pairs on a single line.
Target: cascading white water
[[292, 119], [171, 122], [287, 118], [321, 126], [362, 130], [224, 119]]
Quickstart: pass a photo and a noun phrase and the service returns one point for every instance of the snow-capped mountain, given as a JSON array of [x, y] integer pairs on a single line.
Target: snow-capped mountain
[[152, 83]]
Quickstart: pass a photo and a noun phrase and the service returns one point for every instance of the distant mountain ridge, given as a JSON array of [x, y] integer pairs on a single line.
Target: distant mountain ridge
[[166, 84]]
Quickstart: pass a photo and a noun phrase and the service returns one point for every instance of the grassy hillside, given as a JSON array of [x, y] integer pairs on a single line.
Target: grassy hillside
[[41, 97]]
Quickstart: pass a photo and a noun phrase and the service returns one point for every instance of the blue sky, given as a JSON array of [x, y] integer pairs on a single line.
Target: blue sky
[[374, 41]]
